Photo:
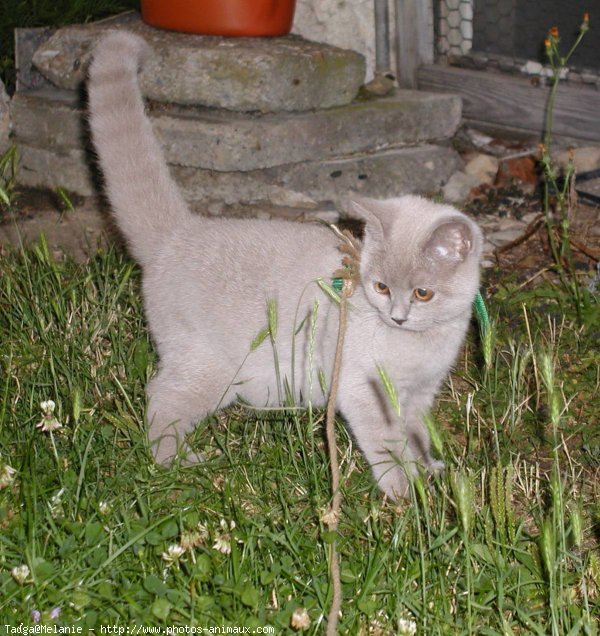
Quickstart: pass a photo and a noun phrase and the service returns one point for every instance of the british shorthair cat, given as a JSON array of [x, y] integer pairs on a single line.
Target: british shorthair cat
[[207, 283]]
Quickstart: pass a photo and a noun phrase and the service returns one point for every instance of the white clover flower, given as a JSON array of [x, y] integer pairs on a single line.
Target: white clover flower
[[173, 554], [203, 530], [48, 407], [223, 540], [7, 475], [55, 505], [222, 544], [49, 422], [20, 574], [300, 619], [225, 526], [406, 627], [191, 540]]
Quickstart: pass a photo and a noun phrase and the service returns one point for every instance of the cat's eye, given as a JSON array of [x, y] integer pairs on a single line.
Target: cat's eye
[[423, 294], [381, 288]]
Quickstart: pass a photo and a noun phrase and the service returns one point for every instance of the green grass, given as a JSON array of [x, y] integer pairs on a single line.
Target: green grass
[[505, 543]]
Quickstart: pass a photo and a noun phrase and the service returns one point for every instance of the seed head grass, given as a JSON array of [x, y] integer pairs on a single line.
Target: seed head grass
[[92, 533]]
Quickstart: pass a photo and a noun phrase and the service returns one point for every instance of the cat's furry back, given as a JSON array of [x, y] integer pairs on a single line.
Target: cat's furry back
[[207, 283]]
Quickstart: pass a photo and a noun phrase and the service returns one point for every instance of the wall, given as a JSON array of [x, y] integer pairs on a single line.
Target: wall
[[348, 24]]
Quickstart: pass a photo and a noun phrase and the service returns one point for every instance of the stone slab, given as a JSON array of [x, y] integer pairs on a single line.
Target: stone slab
[[421, 169], [241, 74], [27, 40], [225, 141], [53, 168]]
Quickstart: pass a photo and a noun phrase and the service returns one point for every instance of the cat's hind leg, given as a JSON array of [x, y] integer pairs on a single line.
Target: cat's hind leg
[[175, 405]]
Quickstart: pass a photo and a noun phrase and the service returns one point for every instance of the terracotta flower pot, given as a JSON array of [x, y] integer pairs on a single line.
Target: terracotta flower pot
[[221, 17]]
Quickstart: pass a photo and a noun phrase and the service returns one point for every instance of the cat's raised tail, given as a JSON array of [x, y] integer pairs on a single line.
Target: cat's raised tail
[[144, 198]]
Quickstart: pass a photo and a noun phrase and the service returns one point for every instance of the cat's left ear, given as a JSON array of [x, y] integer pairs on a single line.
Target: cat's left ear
[[371, 211], [450, 242]]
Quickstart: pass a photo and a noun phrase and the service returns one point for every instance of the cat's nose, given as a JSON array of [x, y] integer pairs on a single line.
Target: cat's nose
[[399, 321]]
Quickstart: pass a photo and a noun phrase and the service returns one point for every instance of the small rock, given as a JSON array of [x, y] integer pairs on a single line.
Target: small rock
[[504, 236], [484, 167], [585, 159], [478, 138], [532, 68], [459, 186], [215, 208], [291, 199], [523, 169], [529, 217], [380, 86], [511, 224]]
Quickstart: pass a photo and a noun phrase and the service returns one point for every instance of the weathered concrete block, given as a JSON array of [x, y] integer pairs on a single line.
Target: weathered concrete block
[[225, 141], [57, 167], [241, 74], [389, 173], [421, 169], [49, 118]]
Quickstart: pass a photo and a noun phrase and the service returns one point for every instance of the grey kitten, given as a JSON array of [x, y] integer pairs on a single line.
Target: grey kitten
[[207, 283]]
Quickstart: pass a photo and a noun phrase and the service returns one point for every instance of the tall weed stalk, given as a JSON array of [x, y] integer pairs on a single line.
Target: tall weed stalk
[[560, 184]]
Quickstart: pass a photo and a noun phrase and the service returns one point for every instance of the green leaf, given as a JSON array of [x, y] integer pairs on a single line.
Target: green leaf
[[169, 530], [250, 596], [42, 569], [154, 585], [203, 567], [94, 532], [203, 603], [161, 608]]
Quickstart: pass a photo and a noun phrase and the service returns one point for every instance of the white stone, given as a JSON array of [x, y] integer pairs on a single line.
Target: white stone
[[530, 217], [484, 167], [459, 186], [466, 11], [466, 29], [455, 39], [532, 68], [585, 159], [504, 237], [454, 19], [291, 198]]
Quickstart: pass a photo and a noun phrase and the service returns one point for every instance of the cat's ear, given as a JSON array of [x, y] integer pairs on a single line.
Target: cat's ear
[[367, 210], [450, 242]]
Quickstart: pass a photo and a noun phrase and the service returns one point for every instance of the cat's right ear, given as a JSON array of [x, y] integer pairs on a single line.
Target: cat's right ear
[[362, 208]]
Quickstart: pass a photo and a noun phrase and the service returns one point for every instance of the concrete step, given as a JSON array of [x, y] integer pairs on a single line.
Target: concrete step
[[225, 141], [420, 169], [240, 74]]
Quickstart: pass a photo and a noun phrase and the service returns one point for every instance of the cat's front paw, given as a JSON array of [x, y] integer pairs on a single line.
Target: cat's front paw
[[392, 480], [167, 450], [436, 467]]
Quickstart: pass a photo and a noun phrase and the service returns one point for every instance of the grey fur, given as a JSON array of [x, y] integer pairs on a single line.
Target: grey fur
[[207, 282]]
